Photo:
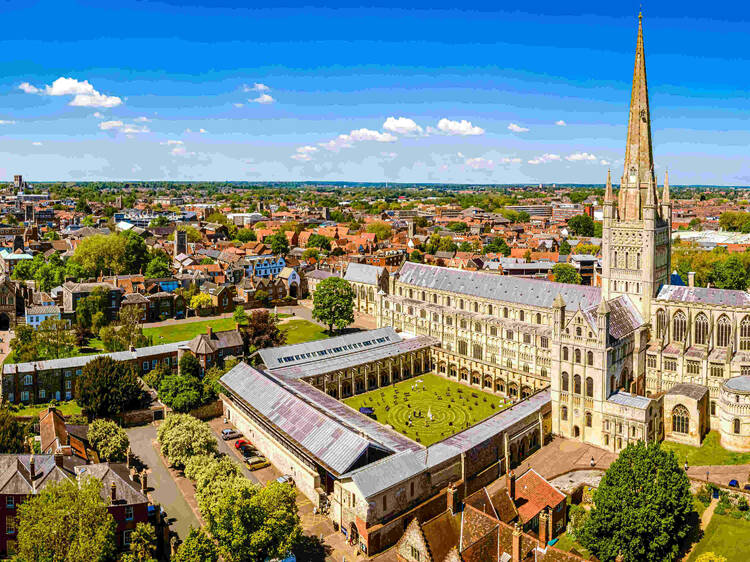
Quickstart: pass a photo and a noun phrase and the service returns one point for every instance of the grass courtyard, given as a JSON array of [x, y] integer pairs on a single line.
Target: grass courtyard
[[725, 536], [710, 452], [298, 331], [407, 405]]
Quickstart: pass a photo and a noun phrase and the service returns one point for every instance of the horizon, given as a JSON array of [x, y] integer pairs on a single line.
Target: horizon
[[185, 91]]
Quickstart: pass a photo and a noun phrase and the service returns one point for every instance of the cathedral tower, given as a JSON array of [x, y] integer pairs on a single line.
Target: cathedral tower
[[637, 227]]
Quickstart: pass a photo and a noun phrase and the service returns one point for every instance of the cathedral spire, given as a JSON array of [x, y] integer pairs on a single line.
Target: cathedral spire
[[638, 176], [665, 195], [608, 195]]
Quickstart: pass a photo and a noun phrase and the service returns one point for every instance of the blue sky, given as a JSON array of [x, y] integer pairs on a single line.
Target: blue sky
[[516, 92]]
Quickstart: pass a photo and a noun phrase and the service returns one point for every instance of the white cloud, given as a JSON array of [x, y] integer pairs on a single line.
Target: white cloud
[[402, 126], [126, 128], [604, 162], [107, 125], [581, 157], [357, 135], [304, 153], [560, 123], [28, 88], [181, 151], [84, 94], [256, 87], [37, 143], [6, 122], [239, 105], [142, 120], [480, 163], [544, 158], [517, 128], [172, 142], [462, 127], [99, 115], [263, 98], [202, 131]]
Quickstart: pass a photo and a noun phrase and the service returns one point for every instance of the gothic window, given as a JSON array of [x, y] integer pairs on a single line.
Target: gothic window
[[447, 301], [564, 413], [538, 318], [590, 358], [544, 342], [627, 263], [638, 261], [680, 419], [713, 407], [434, 299], [661, 324], [578, 331], [614, 260], [577, 384], [723, 332], [462, 347], [589, 387], [565, 353], [424, 297], [422, 313], [564, 381], [493, 331], [588, 419], [461, 304], [745, 333], [489, 309], [701, 329], [477, 327], [520, 315], [476, 307], [505, 312], [736, 424], [463, 324], [679, 326], [509, 364], [578, 355], [477, 351]]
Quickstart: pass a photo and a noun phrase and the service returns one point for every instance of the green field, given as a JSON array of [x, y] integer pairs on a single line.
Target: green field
[[727, 537], [187, 330], [66, 408], [710, 452], [298, 331], [454, 407]]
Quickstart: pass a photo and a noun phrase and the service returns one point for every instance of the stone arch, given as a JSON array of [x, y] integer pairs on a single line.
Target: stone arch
[[723, 331]]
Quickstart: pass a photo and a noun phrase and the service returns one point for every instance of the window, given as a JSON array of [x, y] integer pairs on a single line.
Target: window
[[538, 318], [462, 347], [476, 307], [493, 330], [701, 329], [713, 407], [508, 334], [145, 365], [564, 413], [477, 351], [565, 353], [589, 387], [10, 524], [414, 552], [745, 333], [477, 327], [588, 419], [736, 424], [651, 361], [10, 502], [578, 355], [679, 326], [42, 394], [505, 312], [28, 380], [544, 342], [693, 367], [577, 384], [527, 338], [385, 503], [463, 324], [564, 381], [590, 358], [717, 370], [724, 332], [661, 324], [670, 364], [128, 512], [127, 537], [520, 315], [25, 396], [680, 419], [411, 489]]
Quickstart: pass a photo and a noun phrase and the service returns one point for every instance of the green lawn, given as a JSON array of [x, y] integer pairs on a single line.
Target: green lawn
[[298, 331], [187, 330], [567, 543], [727, 537], [453, 406], [66, 408], [710, 452]]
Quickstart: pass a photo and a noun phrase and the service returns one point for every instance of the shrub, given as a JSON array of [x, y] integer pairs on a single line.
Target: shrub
[[182, 436], [109, 440], [736, 514]]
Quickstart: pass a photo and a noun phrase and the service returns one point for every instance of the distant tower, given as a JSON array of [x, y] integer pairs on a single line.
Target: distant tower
[[180, 242], [411, 228], [326, 213], [18, 181], [29, 215]]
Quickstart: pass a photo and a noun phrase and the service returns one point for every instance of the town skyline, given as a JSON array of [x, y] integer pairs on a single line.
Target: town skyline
[[338, 95]]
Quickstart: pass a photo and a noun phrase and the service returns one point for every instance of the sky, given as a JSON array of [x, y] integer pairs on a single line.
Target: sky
[[502, 92]]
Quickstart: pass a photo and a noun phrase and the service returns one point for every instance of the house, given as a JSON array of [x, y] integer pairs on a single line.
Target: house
[[292, 282], [316, 276], [262, 266], [35, 315], [73, 292], [136, 300], [60, 437], [222, 297], [212, 348]]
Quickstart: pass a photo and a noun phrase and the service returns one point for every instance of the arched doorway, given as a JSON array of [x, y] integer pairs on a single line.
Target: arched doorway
[[4, 322], [293, 290], [353, 533], [576, 431]]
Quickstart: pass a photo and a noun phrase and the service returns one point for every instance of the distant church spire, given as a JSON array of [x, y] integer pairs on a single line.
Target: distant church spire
[[608, 194], [665, 195], [638, 176]]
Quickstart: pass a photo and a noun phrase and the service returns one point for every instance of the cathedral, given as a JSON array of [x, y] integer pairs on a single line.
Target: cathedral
[[635, 359]]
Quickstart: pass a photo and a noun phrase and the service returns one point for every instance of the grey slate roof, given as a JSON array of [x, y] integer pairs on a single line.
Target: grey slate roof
[[624, 317], [703, 295], [630, 400], [531, 292], [302, 353], [325, 439], [696, 391], [42, 310], [363, 273]]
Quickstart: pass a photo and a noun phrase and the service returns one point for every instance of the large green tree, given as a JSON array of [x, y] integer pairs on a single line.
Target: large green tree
[[182, 436], [566, 273], [197, 547], [109, 440], [581, 225], [106, 388], [261, 331], [11, 433], [180, 392], [66, 521], [643, 508], [278, 243], [333, 303]]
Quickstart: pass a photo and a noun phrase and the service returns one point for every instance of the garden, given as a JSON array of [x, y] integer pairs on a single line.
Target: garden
[[429, 408]]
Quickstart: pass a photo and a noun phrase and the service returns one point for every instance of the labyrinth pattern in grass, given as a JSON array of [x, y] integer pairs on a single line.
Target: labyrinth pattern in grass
[[407, 406]]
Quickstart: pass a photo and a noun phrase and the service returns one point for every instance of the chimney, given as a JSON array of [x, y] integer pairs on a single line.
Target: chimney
[[113, 491], [516, 550], [144, 482], [510, 484], [451, 498], [59, 459], [128, 457], [691, 278], [32, 466], [543, 528], [210, 332]]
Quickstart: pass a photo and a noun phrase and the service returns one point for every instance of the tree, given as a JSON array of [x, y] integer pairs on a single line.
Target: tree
[[710, 557], [181, 393], [416, 256], [381, 230], [197, 547], [566, 273], [154, 377], [642, 508], [239, 315], [106, 388], [581, 225], [695, 224], [66, 521], [201, 300], [11, 433], [565, 248], [319, 241], [109, 440], [278, 243], [261, 331], [245, 235], [159, 221], [730, 274], [158, 266], [458, 227], [190, 366], [88, 307], [182, 436], [271, 525], [23, 343], [333, 303], [193, 234], [142, 544], [54, 338]]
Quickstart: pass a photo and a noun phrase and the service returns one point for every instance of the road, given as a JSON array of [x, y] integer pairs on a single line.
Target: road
[[164, 488]]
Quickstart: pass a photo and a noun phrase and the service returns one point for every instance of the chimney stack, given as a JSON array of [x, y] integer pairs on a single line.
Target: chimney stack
[[59, 459], [516, 550], [144, 481], [452, 498], [691, 278], [113, 492], [544, 528], [510, 484], [210, 331], [32, 466]]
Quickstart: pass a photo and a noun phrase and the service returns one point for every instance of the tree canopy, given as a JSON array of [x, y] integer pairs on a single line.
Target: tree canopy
[[182, 436], [11, 433], [566, 273], [197, 547], [381, 230], [106, 388], [109, 440], [581, 225], [643, 507], [278, 243], [333, 303], [262, 331]]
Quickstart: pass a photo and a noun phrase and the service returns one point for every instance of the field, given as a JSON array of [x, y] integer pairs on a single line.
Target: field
[[406, 406], [298, 331], [727, 537], [710, 452], [66, 408]]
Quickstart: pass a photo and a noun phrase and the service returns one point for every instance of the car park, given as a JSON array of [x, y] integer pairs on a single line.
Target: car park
[[248, 451], [241, 442], [257, 462], [227, 434]]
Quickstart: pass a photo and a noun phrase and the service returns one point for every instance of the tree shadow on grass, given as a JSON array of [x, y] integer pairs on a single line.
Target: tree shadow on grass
[[695, 534], [311, 549]]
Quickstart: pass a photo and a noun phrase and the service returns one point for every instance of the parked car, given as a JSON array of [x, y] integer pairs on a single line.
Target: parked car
[[257, 462], [747, 487], [248, 451], [227, 434], [286, 479], [240, 442], [734, 484]]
